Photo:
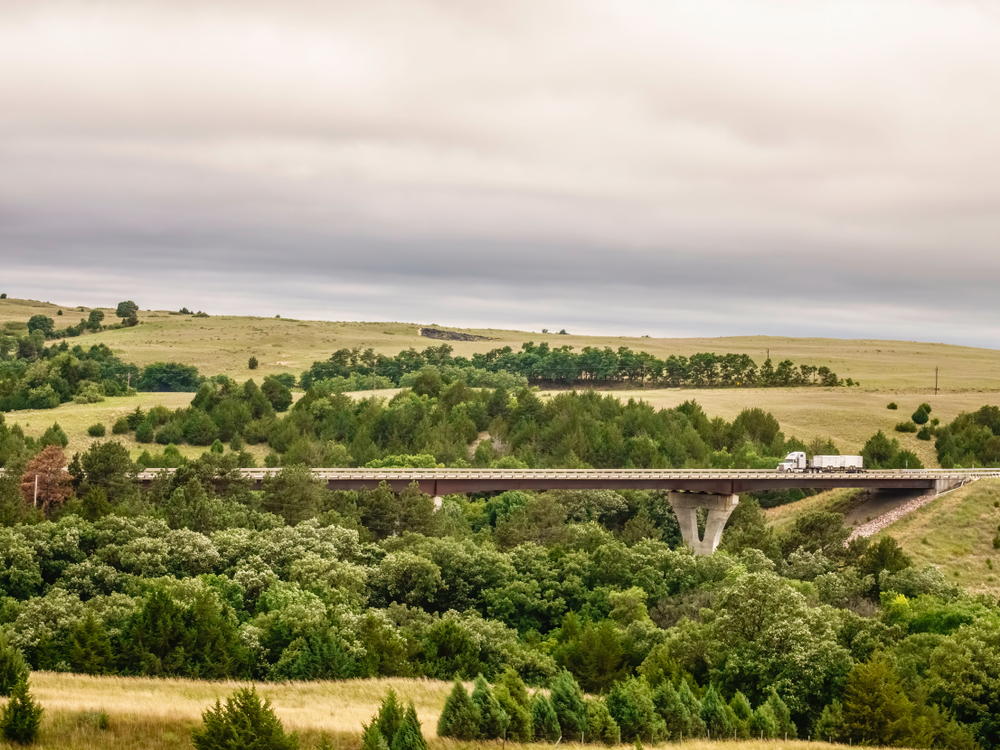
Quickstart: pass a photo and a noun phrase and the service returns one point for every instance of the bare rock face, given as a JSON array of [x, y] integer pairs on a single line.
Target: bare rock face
[[437, 333]]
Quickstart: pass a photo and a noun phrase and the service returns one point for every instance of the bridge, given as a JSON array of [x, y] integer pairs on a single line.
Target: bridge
[[716, 490]]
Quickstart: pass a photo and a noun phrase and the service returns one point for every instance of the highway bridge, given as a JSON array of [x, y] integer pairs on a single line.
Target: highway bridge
[[688, 489]]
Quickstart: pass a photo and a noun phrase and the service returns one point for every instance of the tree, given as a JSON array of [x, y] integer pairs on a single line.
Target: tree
[[493, 720], [601, 726], [127, 309], [876, 710], [544, 721], [94, 320], [277, 393], [459, 717], [21, 716], [13, 667], [252, 363], [631, 705], [244, 722], [169, 376], [713, 713], [45, 481], [567, 700], [920, 416], [42, 323], [409, 736]]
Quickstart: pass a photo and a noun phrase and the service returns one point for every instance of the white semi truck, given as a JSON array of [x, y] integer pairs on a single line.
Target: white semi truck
[[797, 461]]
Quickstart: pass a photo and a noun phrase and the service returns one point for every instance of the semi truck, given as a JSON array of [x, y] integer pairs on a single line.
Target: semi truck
[[797, 461]]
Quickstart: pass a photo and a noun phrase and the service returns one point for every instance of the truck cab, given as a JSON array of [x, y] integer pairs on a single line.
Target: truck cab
[[795, 461]]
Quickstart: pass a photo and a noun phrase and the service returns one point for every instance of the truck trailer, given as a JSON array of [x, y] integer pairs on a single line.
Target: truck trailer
[[797, 461]]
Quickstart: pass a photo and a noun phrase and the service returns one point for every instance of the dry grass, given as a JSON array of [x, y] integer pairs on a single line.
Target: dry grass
[[160, 714], [955, 533], [833, 501]]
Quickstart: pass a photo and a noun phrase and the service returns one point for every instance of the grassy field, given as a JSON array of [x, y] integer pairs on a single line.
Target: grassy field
[[223, 344], [955, 533], [160, 714]]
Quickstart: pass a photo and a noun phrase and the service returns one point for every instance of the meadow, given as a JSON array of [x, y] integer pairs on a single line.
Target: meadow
[[159, 714]]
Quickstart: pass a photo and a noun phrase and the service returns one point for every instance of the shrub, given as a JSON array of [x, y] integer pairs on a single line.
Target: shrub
[[920, 416], [906, 427], [892, 405], [601, 727], [924, 433], [252, 363], [459, 718], [144, 433], [171, 432], [21, 716], [245, 722], [97, 430], [925, 407], [567, 700], [13, 667], [3, 296], [493, 720], [544, 721]]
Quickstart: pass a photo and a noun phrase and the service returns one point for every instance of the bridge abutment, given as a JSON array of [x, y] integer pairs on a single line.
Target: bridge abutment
[[720, 507]]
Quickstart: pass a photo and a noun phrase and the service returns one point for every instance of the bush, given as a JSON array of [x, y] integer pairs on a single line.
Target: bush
[[245, 722], [920, 416], [544, 721], [892, 405], [252, 363], [171, 432], [906, 427], [169, 376], [601, 727], [924, 433], [144, 433], [925, 407], [21, 716], [97, 430], [13, 667]]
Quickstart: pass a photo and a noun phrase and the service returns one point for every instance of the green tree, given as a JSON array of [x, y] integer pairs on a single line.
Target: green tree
[[409, 736], [493, 720], [89, 647], [252, 363], [876, 710], [544, 721], [830, 724], [675, 715], [279, 394], [713, 713], [631, 705], [13, 667], [601, 726], [21, 716], [743, 712], [459, 717], [920, 417], [512, 695], [94, 320], [42, 323], [567, 701], [245, 722], [127, 309]]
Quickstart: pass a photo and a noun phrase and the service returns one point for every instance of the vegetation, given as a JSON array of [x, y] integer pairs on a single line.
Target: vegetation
[[245, 721]]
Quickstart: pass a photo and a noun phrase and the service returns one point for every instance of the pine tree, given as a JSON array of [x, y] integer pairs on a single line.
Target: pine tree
[[493, 720], [696, 727], [713, 713], [601, 726], [544, 720], [763, 723], [631, 705], [21, 716], [675, 715], [408, 736], [830, 724], [782, 715], [742, 712], [371, 738], [512, 695], [13, 667], [876, 710], [390, 717], [459, 718], [246, 722], [567, 700], [89, 649]]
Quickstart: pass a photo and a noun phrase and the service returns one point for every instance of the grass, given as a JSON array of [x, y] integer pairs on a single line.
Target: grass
[[832, 501], [955, 533], [159, 714]]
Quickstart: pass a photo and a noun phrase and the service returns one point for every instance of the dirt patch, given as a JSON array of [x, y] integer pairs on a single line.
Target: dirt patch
[[437, 333]]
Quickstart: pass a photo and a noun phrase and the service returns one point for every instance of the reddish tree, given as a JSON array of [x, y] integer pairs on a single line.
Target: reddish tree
[[45, 480]]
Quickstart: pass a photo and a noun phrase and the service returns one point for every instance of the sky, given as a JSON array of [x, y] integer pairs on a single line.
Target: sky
[[626, 167]]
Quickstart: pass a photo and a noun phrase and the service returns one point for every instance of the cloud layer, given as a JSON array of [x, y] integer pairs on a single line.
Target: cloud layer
[[706, 167]]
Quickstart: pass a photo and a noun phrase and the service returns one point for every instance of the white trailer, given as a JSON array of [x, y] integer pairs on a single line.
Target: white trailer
[[797, 462]]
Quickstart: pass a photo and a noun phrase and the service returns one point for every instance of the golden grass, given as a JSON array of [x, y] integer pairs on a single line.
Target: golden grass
[[955, 533], [160, 714]]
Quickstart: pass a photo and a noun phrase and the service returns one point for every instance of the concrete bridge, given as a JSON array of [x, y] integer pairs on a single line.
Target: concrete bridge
[[688, 489]]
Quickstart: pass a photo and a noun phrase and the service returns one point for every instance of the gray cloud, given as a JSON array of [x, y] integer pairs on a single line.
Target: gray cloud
[[710, 167]]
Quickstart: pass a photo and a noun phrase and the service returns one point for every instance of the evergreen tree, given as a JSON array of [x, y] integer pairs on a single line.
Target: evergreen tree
[[742, 713], [713, 713], [830, 724], [876, 710], [763, 723], [675, 715], [21, 716], [245, 722], [783, 716], [89, 647], [601, 726], [631, 706], [512, 695], [544, 720], [493, 720], [459, 718], [567, 700], [390, 717], [371, 738], [696, 727], [409, 736], [13, 667]]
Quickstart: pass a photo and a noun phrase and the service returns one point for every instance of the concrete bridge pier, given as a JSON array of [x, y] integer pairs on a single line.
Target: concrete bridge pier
[[720, 507]]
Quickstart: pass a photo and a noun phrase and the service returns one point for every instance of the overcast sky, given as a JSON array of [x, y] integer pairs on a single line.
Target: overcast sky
[[712, 167]]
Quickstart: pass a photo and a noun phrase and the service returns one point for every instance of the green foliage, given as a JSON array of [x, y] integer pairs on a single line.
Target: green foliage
[[493, 720], [907, 427], [920, 417], [567, 701], [875, 709], [54, 435], [13, 667], [601, 726], [713, 713], [169, 376], [544, 720], [409, 736], [252, 363], [830, 724], [42, 323], [245, 721], [512, 695], [97, 430], [127, 309], [393, 727], [892, 405], [879, 452], [631, 705], [277, 393], [21, 716], [459, 717]]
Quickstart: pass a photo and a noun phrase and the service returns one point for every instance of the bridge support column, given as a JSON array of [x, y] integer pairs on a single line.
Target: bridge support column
[[720, 507]]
